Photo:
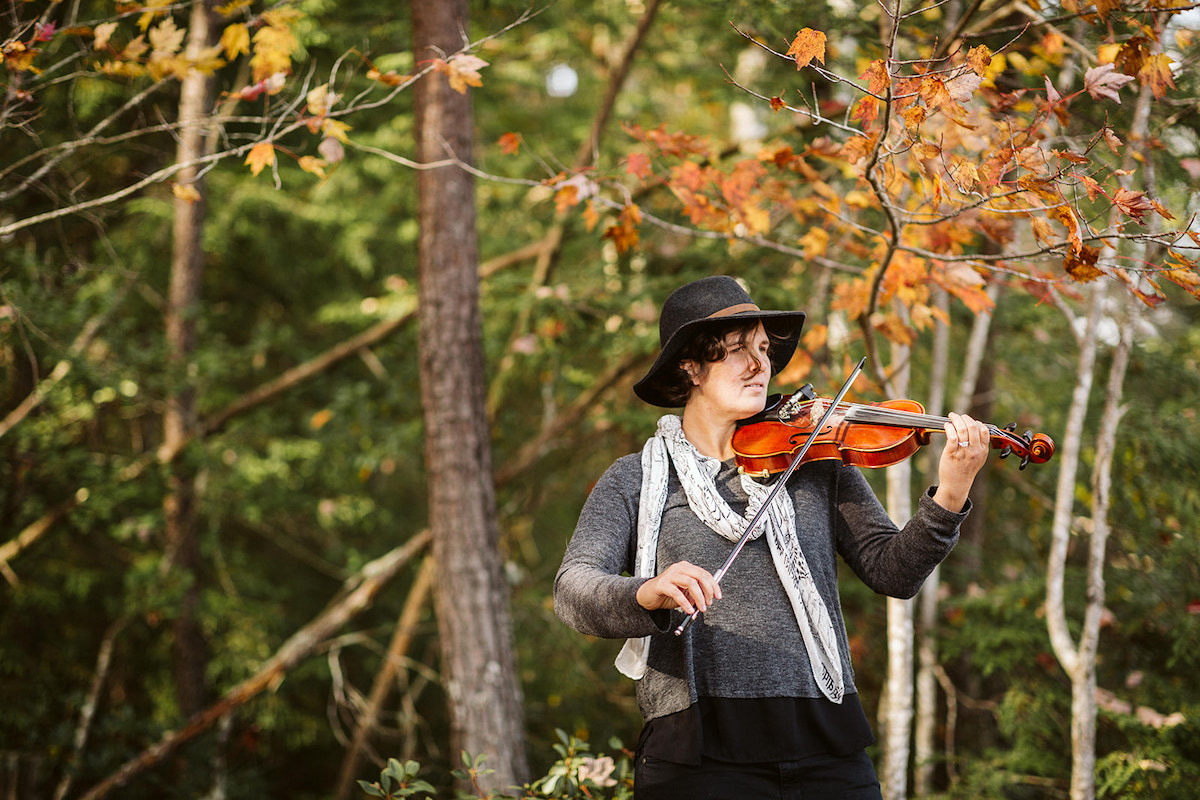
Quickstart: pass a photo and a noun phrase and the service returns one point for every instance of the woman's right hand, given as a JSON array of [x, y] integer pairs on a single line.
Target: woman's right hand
[[681, 585]]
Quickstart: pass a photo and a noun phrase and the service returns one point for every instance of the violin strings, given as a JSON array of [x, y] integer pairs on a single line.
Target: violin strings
[[856, 412]]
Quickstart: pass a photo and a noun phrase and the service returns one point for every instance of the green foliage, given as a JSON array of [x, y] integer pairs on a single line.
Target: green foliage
[[576, 774]]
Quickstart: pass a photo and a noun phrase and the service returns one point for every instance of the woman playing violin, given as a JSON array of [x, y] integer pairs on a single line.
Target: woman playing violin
[[757, 699]]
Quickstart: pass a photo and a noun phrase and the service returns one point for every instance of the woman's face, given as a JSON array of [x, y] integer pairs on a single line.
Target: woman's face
[[735, 386]]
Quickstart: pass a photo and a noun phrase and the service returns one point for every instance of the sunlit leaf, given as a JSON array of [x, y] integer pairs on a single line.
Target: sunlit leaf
[[807, 45], [260, 156]]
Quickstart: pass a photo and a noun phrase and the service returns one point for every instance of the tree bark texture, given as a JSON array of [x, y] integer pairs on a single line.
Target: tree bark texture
[[189, 648], [471, 595], [897, 715]]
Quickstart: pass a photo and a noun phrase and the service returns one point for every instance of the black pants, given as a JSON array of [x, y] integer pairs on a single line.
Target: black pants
[[819, 777]]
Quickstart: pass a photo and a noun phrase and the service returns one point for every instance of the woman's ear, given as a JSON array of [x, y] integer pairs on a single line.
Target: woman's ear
[[691, 369]]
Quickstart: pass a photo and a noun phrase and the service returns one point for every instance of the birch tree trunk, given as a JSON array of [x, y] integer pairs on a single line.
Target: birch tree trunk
[[898, 690], [1079, 660], [471, 595], [190, 648], [927, 600]]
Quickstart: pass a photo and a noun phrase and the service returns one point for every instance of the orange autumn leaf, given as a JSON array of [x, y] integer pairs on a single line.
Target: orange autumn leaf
[[625, 233], [1081, 266], [979, 59], [866, 111], [510, 143], [1156, 73], [566, 197], [1064, 215], [933, 93], [462, 71], [877, 78], [261, 155], [807, 45], [777, 103], [1133, 204], [638, 165], [590, 215]]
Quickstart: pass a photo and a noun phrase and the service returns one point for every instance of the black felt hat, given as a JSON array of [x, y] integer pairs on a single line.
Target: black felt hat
[[708, 301]]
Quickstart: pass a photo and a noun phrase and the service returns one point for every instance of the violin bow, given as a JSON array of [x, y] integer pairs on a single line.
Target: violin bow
[[775, 489]]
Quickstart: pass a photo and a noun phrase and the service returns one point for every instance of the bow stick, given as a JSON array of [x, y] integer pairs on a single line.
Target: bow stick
[[783, 479]]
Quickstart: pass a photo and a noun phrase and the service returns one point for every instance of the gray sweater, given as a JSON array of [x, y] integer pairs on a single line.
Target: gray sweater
[[747, 645]]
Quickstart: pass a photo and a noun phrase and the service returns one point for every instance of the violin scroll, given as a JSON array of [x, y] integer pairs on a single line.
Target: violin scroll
[[1037, 448]]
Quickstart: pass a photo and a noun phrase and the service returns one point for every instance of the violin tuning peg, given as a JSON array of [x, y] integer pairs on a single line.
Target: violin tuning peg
[[1005, 451], [1010, 427], [1024, 462]]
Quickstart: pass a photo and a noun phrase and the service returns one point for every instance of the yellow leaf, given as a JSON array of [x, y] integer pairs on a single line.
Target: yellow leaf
[[336, 129], [807, 45], [166, 39], [1156, 73], [162, 66], [857, 199], [313, 164], [135, 49], [261, 155], [320, 419], [319, 100], [152, 9], [186, 192], [229, 9], [815, 242], [273, 48], [235, 40], [102, 34]]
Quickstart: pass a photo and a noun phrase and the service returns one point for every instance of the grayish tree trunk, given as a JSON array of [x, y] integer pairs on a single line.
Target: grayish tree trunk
[[471, 595], [897, 705], [190, 649]]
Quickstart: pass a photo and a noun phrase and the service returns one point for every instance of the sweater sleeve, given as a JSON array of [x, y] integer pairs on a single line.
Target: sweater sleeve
[[891, 561], [593, 592]]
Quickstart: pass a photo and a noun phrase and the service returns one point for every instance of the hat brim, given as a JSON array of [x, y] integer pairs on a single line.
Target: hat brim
[[783, 326]]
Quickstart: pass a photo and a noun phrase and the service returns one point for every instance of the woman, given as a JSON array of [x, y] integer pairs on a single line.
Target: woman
[[757, 698]]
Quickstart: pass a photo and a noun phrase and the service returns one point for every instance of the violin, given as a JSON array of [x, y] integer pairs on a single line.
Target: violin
[[871, 435]]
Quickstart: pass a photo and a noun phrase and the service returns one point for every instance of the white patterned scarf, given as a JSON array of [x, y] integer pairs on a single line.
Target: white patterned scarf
[[698, 473]]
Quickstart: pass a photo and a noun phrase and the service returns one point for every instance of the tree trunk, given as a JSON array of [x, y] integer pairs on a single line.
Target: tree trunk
[[190, 648], [471, 595], [898, 692]]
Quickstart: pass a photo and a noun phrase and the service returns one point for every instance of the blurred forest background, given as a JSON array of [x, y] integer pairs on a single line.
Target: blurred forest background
[[215, 497]]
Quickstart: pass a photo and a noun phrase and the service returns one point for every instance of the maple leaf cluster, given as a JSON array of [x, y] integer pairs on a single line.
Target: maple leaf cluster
[[937, 177]]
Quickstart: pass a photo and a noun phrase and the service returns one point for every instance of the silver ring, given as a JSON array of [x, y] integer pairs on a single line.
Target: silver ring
[[963, 444]]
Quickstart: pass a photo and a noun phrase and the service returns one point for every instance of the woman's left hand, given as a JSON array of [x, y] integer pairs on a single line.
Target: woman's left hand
[[967, 445]]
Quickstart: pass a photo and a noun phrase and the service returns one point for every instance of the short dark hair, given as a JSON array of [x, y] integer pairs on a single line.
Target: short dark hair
[[706, 347]]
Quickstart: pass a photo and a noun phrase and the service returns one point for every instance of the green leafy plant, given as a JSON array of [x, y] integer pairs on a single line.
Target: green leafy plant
[[578, 773], [398, 780]]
